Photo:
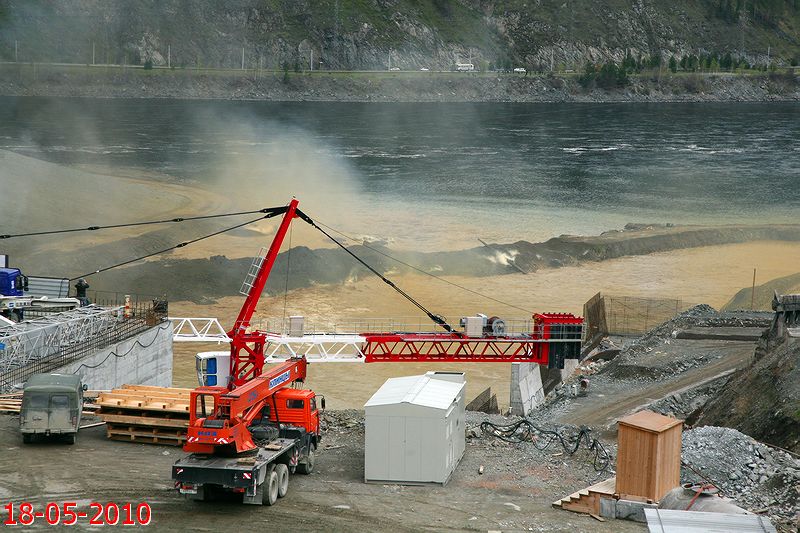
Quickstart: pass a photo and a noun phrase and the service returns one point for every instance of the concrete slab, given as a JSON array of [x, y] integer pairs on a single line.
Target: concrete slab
[[722, 334]]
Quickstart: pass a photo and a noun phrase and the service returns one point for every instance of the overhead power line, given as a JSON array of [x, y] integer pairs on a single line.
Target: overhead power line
[[277, 211]]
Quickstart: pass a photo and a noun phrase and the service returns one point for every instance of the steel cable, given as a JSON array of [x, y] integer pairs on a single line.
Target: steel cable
[[266, 210]]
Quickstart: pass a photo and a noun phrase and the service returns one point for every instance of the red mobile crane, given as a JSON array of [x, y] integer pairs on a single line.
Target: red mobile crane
[[257, 413], [249, 435]]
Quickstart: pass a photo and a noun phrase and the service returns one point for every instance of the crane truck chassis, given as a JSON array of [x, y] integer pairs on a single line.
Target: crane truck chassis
[[249, 439], [261, 478]]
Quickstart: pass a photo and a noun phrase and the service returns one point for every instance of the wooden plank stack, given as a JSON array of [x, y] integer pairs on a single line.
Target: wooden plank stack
[[146, 414], [12, 403]]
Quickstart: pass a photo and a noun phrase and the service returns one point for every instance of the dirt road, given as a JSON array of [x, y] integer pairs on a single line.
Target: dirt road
[[514, 494], [610, 399]]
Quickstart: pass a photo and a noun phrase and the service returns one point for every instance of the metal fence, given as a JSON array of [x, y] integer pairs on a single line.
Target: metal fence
[[45, 344], [628, 315]]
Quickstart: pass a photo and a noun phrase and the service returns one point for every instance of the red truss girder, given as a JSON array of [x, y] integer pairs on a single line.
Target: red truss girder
[[448, 347], [247, 357]]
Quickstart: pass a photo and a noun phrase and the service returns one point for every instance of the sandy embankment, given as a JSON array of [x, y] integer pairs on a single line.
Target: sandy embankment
[[45, 196]]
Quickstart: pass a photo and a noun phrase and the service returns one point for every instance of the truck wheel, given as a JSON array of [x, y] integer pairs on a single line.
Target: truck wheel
[[307, 465], [71, 438], [283, 479], [270, 489], [27, 438]]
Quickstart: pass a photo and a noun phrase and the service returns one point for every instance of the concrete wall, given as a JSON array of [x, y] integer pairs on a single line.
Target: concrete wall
[[528, 384], [145, 359], [527, 392]]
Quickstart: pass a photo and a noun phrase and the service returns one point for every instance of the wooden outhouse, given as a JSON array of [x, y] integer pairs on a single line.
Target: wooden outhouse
[[648, 456]]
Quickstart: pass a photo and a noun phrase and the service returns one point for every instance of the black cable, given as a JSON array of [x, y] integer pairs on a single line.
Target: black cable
[[526, 431], [437, 319], [155, 338], [434, 276], [181, 245], [266, 210]]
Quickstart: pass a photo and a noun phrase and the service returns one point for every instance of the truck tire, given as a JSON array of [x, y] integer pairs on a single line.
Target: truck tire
[[71, 438], [307, 466], [283, 479], [27, 438], [270, 489]]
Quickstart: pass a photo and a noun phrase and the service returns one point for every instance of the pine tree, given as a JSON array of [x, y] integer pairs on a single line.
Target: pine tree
[[673, 64]]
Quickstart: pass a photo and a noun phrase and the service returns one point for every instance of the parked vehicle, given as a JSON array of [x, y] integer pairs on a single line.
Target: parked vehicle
[[51, 406], [274, 434]]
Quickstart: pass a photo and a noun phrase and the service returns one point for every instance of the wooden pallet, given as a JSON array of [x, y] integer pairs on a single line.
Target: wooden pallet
[[587, 501], [146, 414], [143, 435], [11, 404]]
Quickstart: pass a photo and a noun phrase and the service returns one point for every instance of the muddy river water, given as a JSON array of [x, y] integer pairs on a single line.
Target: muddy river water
[[434, 176], [440, 176]]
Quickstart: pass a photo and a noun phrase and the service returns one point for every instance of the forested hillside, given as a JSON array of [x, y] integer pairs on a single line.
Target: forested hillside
[[540, 35]]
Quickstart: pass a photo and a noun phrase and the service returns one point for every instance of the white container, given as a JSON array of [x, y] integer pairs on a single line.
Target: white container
[[415, 430]]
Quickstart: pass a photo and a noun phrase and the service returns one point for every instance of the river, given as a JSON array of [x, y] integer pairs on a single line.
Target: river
[[430, 176]]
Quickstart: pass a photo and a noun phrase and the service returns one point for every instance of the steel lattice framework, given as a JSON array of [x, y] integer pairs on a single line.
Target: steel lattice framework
[[198, 330], [46, 343], [386, 347]]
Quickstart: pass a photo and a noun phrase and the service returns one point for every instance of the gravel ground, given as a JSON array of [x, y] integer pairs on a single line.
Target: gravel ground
[[760, 478], [515, 492]]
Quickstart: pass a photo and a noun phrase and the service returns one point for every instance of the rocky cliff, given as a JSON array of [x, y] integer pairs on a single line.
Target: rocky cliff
[[542, 35]]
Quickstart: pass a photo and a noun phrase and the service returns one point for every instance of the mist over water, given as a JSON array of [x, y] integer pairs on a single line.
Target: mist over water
[[431, 176]]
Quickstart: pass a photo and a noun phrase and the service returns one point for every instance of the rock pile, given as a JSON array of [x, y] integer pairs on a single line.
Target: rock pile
[[655, 354], [345, 419], [760, 479], [684, 404]]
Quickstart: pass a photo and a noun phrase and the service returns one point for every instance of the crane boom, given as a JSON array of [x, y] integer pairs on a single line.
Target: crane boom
[[244, 367], [555, 336]]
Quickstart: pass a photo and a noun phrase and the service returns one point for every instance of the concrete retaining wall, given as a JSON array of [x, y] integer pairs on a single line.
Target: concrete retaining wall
[[530, 383], [527, 392], [145, 359]]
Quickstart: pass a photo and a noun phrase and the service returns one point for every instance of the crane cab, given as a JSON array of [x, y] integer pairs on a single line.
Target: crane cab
[[213, 368], [296, 407]]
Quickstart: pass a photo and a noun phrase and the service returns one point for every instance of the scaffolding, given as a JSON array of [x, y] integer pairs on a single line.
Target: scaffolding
[[47, 343]]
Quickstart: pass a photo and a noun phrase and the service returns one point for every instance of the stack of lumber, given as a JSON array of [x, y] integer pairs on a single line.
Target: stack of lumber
[[12, 402], [147, 414]]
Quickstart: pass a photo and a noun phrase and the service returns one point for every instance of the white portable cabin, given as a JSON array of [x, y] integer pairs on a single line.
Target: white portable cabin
[[415, 429]]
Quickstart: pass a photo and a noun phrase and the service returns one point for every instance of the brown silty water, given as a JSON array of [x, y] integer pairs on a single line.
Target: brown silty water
[[701, 275]]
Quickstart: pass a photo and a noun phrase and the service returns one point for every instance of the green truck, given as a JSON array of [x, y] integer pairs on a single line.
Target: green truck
[[51, 406]]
